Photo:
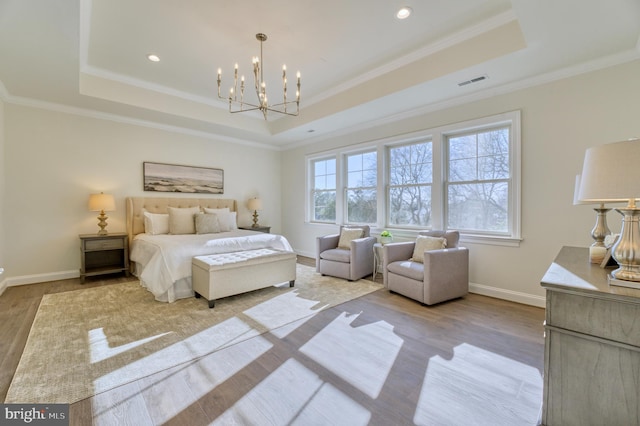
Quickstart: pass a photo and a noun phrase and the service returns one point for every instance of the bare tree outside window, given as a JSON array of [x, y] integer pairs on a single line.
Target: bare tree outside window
[[410, 180], [460, 176], [478, 181], [324, 190], [362, 183]]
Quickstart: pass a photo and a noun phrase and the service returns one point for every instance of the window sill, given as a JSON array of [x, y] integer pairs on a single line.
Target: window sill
[[409, 235], [490, 240]]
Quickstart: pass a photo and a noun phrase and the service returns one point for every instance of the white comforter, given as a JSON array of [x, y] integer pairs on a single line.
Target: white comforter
[[164, 261]]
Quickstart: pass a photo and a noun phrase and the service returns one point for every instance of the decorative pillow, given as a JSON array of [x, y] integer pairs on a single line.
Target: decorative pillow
[[182, 221], [223, 210], [347, 235], [207, 223], [226, 219], [426, 243], [234, 220], [156, 223]]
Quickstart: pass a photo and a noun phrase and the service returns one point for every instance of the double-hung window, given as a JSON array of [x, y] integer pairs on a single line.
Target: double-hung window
[[410, 179], [324, 190], [362, 186], [478, 181], [463, 176]]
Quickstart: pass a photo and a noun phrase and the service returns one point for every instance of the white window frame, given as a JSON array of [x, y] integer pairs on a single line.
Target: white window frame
[[387, 172], [346, 187], [437, 136], [511, 120], [311, 165]]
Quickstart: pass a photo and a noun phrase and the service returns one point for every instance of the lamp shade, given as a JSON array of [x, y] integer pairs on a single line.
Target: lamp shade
[[576, 193], [611, 173], [101, 202], [255, 204]]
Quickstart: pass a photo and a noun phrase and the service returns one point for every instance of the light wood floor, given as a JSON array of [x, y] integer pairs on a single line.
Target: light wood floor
[[381, 359]]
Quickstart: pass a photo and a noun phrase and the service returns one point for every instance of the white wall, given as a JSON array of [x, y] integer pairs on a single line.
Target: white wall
[[560, 120], [55, 160]]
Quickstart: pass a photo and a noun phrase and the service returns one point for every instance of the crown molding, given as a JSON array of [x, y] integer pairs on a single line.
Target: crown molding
[[91, 113], [586, 67], [428, 50], [601, 63], [130, 81]]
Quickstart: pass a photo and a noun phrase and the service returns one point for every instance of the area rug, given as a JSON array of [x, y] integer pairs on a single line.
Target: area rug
[[87, 341]]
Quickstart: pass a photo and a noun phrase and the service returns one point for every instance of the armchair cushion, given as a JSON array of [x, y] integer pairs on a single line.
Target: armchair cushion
[[336, 255], [347, 235], [427, 243], [408, 268]]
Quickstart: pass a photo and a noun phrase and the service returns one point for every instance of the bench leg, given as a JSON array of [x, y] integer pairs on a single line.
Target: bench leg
[[291, 283], [197, 295], [211, 304]]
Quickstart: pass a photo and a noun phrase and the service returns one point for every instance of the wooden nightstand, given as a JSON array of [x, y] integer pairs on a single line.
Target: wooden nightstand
[[265, 229], [103, 254]]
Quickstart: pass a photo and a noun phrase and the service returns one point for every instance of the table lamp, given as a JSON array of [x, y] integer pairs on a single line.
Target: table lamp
[[611, 173], [597, 250], [255, 204], [101, 203]]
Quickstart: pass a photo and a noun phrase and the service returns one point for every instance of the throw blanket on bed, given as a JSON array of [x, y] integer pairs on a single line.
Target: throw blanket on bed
[[163, 260]]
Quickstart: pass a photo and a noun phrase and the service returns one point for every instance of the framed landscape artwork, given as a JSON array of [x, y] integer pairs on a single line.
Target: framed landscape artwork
[[161, 177]]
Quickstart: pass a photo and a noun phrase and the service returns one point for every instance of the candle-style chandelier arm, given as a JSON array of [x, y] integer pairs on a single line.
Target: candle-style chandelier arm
[[241, 105]]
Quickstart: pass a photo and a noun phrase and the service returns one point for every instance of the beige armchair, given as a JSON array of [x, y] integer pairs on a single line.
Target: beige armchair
[[443, 275], [351, 261]]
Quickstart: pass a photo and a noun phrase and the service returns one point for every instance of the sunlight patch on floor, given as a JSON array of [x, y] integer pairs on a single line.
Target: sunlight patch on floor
[[282, 310], [100, 349], [200, 344], [362, 355], [304, 402], [182, 385], [479, 387]]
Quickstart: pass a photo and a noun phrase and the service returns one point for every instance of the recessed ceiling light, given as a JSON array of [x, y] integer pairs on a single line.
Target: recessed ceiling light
[[153, 58], [403, 12]]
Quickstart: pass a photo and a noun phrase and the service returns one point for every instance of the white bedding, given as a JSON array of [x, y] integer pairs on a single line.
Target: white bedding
[[163, 262]]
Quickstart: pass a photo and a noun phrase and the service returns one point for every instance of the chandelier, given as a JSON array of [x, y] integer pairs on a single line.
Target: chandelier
[[262, 103]]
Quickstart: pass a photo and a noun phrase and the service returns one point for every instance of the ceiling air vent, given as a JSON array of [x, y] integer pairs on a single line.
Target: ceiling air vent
[[473, 80]]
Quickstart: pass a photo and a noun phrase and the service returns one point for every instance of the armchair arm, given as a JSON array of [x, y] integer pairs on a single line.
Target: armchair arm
[[362, 256], [394, 252], [446, 273], [323, 243]]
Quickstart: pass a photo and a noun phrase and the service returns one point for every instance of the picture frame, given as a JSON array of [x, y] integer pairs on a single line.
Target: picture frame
[[162, 177]]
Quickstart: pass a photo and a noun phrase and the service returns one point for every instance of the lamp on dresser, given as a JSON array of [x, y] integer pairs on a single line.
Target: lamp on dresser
[[611, 173], [255, 204], [102, 203], [597, 250]]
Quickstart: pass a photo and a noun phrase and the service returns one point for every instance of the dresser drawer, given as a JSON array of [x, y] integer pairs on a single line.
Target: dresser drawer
[[104, 244], [611, 319]]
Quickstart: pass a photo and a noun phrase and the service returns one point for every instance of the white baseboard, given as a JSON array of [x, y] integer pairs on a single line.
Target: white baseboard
[[513, 296], [40, 278], [305, 254], [485, 290]]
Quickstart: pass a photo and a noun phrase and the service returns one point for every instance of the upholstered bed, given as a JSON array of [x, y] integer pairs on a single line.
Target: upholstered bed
[[162, 260]]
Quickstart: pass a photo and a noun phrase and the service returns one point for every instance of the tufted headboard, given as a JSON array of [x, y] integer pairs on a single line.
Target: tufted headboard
[[137, 205]]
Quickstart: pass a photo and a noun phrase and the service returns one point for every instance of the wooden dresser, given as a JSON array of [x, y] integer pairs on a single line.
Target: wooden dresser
[[592, 345]]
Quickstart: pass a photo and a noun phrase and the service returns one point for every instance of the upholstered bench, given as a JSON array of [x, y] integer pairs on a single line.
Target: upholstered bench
[[220, 275]]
